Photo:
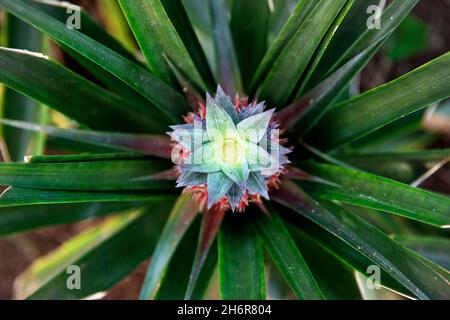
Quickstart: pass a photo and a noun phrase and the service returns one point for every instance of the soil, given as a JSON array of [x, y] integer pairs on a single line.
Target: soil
[[19, 251]]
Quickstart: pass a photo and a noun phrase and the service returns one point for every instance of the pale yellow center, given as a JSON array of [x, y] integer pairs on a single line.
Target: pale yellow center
[[231, 152]]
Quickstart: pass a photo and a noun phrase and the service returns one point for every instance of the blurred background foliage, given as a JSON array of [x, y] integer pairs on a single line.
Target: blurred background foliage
[[421, 37]]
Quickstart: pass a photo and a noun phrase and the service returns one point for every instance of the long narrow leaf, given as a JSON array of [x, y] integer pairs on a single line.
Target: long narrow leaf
[[304, 113], [60, 11], [390, 19], [107, 262], [206, 278], [431, 155], [178, 16], [158, 38], [290, 65], [19, 35], [423, 279], [368, 293], [401, 166], [323, 46], [210, 226], [86, 176], [434, 248], [334, 277], [85, 157], [388, 195], [181, 217], [116, 24], [71, 94], [280, 11], [165, 98], [376, 108], [14, 220], [241, 261], [249, 35], [147, 144], [176, 276], [229, 74], [349, 31], [346, 254], [50, 265], [297, 18], [286, 256], [90, 28], [19, 197]]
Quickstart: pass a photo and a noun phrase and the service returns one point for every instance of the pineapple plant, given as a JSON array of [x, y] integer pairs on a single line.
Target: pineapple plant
[[221, 135]]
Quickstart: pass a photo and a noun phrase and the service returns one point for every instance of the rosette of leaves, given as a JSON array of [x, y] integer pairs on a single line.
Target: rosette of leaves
[[350, 199], [231, 153]]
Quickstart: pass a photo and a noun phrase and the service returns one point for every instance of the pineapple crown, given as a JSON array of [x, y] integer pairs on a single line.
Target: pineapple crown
[[231, 150]]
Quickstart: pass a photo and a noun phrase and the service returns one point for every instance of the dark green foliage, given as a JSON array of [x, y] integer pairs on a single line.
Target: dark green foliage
[[344, 201]]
